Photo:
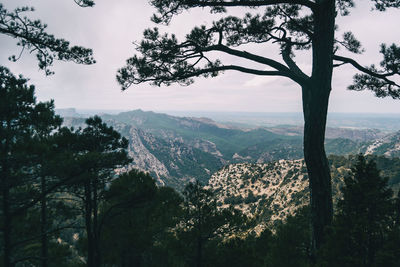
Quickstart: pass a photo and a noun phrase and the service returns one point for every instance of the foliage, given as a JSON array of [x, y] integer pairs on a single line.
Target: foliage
[[32, 35], [137, 218], [365, 221], [204, 223], [28, 180], [291, 25], [99, 151]]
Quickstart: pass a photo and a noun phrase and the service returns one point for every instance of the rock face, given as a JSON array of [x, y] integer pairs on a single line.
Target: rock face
[[171, 161], [142, 158]]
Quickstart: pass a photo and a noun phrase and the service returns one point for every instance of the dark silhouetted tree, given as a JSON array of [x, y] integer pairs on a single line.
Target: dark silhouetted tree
[[290, 245], [99, 151], [136, 221], [17, 105], [204, 222], [365, 220], [26, 132], [295, 25]]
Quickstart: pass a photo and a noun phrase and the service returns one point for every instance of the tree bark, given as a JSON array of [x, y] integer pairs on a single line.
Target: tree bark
[[7, 224], [199, 252], [315, 112], [315, 106], [96, 240], [43, 224], [5, 184], [89, 224]]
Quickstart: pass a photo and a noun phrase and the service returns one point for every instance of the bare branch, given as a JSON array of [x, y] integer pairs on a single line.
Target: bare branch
[[127, 79], [286, 55], [355, 64], [373, 79], [247, 3]]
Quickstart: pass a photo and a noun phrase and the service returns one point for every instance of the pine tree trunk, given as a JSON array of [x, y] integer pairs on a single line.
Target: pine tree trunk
[[315, 107], [89, 224], [95, 224], [5, 180], [315, 112], [7, 224], [43, 226], [199, 252]]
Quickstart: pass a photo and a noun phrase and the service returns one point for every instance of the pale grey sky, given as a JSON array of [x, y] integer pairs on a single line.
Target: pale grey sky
[[111, 27]]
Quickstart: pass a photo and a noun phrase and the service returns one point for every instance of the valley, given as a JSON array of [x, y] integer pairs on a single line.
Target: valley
[[176, 150]]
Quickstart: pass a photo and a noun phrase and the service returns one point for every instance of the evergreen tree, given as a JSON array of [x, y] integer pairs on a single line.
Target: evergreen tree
[[137, 219], [204, 222], [26, 131], [98, 151], [290, 243], [292, 26], [364, 220]]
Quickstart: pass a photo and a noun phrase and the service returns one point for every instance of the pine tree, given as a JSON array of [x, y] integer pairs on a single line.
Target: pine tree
[[364, 218], [204, 222], [290, 26], [137, 218], [26, 128], [98, 151]]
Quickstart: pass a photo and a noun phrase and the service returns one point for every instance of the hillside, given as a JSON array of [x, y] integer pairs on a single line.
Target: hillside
[[176, 150], [388, 145], [271, 191]]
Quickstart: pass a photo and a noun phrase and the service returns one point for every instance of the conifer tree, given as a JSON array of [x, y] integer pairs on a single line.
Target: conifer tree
[[25, 128], [203, 221], [137, 219], [98, 152], [364, 219], [292, 26]]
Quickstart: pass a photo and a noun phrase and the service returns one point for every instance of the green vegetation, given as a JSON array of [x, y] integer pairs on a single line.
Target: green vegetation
[[76, 210], [366, 223], [67, 200]]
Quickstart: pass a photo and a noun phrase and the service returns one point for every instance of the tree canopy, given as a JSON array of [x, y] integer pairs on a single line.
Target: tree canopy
[[162, 59], [31, 35]]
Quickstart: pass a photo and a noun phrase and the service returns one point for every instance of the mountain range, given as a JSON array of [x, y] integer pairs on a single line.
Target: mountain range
[[176, 150]]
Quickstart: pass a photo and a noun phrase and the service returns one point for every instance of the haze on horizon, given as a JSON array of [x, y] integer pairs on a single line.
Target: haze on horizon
[[110, 28]]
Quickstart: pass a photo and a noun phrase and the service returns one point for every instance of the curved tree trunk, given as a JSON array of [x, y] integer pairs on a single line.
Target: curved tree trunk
[[315, 111], [315, 107]]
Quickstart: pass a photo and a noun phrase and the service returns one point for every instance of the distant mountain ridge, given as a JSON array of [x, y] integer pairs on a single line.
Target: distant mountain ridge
[[176, 150]]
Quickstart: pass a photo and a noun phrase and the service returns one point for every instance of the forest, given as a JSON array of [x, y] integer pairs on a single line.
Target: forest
[[67, 201], [69, 198]]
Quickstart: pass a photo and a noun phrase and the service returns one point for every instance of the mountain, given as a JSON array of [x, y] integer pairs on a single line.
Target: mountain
[[271, 191], [176, 150], [388, 146]]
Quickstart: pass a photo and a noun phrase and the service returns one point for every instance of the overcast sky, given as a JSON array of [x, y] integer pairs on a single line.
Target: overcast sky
[[111, 26]]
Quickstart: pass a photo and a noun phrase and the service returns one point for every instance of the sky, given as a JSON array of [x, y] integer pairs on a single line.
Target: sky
[[111, 27]]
